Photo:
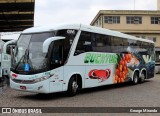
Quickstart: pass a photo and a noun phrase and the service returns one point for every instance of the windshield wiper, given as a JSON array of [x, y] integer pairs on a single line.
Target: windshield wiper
[[25, 59], [20, 60]]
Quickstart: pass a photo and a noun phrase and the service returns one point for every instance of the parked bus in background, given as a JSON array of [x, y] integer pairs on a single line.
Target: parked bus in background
[[72, 57], [5, 58], [1, 48]]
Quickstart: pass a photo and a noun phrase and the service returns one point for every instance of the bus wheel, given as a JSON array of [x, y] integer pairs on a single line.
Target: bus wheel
[[135, 78], [3, 81], [72, 87], [142, 78]]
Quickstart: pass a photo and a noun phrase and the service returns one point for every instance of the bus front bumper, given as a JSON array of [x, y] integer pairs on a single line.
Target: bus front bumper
[[39, 87]]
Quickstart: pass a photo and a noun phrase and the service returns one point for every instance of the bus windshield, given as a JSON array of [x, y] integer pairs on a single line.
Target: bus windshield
[[29, 57], [29, 50]]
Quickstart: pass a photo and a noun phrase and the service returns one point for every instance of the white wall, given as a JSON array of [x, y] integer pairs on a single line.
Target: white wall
[[158, 4]]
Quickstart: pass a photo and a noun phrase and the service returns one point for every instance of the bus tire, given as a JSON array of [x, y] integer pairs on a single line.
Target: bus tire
[[142, 78], [135, 78], [3, 81], [72, 87]]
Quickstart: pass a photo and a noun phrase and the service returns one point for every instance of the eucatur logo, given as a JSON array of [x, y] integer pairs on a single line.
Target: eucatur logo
[[100, 74]]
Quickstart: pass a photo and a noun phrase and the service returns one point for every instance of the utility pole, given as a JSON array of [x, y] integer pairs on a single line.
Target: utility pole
[[134, 4]]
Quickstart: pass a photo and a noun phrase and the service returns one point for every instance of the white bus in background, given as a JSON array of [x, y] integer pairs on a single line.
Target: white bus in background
[[72, 57], [6, 47], [1, 48]]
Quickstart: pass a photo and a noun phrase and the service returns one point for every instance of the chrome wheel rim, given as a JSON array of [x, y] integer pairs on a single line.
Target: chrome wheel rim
[[74, 86], [136, 79], [142, 77]]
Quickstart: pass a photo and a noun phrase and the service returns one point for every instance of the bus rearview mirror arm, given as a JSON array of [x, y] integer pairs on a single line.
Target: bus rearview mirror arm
[[48, 41]]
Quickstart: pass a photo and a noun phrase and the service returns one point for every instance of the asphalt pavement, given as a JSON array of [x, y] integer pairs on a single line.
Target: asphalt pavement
[[146, 94]]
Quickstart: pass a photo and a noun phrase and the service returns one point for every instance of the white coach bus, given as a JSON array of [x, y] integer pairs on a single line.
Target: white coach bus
[[72, 57], [5, 59]]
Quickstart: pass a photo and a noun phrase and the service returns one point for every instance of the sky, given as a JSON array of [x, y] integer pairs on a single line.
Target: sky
[[57, 12]]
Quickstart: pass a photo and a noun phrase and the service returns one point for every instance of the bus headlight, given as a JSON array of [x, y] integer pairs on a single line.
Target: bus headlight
[[42, 78]]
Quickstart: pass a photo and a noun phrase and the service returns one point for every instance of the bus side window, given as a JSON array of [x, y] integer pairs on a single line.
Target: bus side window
[[117, 45], [131, 46], [125, 45], [67, 42], [139, 46], [145, 46], [84, 43], [102, 43]]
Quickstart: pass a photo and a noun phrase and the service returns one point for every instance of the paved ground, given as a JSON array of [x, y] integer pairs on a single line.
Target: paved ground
[[124, 95]]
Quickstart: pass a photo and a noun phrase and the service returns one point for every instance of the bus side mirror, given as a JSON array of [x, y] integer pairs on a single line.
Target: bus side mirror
[[48, 41], [12, 42]]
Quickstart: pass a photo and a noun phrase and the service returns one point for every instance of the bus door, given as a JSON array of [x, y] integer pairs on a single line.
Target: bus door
[[56, 65]]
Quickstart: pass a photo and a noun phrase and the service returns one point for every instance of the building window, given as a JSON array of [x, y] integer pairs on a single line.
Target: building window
[[152, 38], [155, 20], [134, 20], [112, 19], [98, 23]]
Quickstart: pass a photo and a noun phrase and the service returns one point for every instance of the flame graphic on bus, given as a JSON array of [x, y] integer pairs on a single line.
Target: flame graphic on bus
[[100, 74]]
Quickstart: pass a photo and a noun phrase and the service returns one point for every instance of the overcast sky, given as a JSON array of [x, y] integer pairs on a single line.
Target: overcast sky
[[55, 12]]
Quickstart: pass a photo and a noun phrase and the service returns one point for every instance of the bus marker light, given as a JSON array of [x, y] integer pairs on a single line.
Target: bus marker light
[[14, 75]]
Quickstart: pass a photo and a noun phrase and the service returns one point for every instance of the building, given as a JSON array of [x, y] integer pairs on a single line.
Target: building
[[16, 15], [140, 23], [158, 4]]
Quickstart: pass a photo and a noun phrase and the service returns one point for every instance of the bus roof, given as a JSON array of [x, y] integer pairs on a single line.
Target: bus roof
[[84, 28]]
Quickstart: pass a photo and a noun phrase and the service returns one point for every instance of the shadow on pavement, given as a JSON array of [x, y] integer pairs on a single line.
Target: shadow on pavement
[[60, 95]]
